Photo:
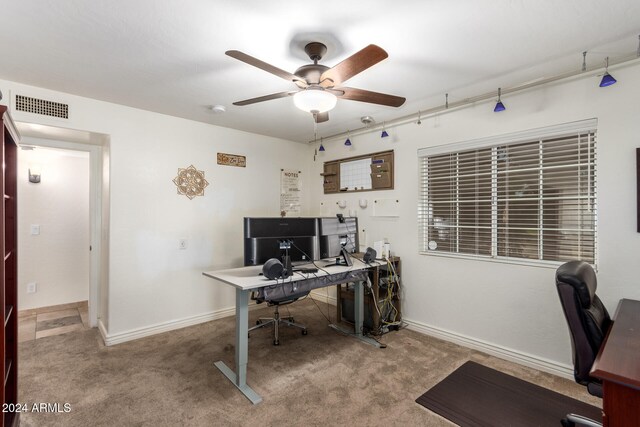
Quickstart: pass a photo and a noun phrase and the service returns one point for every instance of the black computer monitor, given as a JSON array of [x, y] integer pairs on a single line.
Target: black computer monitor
[[263, 237], [337, 233]]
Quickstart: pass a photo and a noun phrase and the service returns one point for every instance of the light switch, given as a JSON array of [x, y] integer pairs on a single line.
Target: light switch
[[35, 229]]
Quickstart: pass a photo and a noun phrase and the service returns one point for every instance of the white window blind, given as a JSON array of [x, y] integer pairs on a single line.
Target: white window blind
[[532, 199]]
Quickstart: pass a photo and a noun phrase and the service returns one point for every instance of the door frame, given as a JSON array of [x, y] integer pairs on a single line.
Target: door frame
[[97, 145]]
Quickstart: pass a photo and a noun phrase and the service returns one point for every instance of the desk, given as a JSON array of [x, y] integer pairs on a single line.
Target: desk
[[618, 366], [247, 279]]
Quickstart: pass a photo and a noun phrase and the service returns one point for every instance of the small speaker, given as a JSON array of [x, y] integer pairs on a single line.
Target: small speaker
[[369, 256], [273, 269]]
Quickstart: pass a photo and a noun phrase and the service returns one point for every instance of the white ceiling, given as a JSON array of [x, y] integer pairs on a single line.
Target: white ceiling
[[168, 55]]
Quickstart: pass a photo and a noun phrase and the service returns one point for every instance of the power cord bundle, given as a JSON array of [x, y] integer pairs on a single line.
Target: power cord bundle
[[389, 318], [386, 309]]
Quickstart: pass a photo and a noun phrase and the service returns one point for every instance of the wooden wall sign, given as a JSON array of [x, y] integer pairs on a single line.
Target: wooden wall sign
[[232, 160]]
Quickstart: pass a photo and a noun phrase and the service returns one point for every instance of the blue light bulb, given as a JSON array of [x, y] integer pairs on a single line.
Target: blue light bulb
[[607, 80]]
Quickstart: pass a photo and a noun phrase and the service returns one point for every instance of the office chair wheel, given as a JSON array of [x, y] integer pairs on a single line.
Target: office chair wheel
[[566, 423], [304, 332], [258, 322], [276, 342]]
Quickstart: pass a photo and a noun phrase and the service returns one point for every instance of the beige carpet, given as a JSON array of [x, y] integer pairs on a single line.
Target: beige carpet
[[323, 378]]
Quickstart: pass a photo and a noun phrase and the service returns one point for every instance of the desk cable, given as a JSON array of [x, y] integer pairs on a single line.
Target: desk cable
[[328, 315]]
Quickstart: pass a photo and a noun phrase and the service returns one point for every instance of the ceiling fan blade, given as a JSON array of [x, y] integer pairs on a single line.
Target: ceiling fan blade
[[240, 56], [336, 91], [321, 117], [371, 97], [353, 65], [265, 98]]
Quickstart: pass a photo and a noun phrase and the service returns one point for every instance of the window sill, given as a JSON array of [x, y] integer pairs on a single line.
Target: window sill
[[514, 261]]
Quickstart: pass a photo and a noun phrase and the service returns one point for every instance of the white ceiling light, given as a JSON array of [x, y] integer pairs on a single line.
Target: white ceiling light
[[314, 100], [218, 109]]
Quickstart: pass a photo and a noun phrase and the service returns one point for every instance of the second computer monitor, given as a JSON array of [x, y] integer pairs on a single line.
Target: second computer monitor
[[337, 233]]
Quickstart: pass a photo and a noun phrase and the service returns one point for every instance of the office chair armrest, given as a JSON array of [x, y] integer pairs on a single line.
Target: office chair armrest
[[580, 420]]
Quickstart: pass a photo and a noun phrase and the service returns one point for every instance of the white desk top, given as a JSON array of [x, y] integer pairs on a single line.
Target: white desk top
[[249, 277]]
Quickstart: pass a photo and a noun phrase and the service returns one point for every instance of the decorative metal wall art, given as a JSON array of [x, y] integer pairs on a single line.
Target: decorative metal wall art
[[190, 182]]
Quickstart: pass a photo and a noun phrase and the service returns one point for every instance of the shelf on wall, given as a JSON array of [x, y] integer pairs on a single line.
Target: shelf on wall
[[8, 309], [7, 370]]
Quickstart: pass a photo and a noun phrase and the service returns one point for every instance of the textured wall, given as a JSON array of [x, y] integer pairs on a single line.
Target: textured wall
[[151, 281], [58, 258], [514, 307]]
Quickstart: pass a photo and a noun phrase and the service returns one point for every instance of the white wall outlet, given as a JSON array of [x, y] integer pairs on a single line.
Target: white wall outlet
[[32, 288], [182, 244], [35, 229]]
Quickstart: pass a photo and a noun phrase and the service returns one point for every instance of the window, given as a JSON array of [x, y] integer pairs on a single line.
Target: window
[[525, 196]]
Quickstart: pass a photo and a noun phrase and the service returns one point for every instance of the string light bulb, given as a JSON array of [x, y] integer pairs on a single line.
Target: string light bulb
[[384, 133], [607, 79], [499, 105]]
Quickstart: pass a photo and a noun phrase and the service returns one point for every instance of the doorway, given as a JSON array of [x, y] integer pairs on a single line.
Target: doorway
[[94, 149], [53, 240]]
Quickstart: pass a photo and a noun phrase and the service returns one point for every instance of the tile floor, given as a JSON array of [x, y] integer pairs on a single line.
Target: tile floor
[[54, 320]]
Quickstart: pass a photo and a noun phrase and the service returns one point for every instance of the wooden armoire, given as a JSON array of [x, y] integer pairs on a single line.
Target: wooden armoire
[[9, 269]]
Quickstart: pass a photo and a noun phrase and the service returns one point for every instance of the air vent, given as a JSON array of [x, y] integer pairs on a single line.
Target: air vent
[[42, 106]]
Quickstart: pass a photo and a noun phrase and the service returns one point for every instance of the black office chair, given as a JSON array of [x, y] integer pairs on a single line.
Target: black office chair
[[588, 322], [276, 319]]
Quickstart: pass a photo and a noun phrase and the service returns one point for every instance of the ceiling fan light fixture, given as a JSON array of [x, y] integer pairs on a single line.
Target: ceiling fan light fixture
[[316, 100]]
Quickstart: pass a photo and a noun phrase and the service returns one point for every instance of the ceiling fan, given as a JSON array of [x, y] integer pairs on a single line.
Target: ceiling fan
[[318, 85]]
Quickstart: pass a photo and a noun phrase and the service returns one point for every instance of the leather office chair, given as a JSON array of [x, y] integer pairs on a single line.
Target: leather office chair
[[276, 319], [588, 322]]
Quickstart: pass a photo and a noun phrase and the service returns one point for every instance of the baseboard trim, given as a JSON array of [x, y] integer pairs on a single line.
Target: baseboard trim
[[134, 334], [103, 331], [49, 308], [147, 331], [525, 359], [511, 355], [323, 297]]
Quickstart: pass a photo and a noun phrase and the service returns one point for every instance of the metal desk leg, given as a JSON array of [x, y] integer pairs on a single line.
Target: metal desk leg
[[239, 379], [358, 308]]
